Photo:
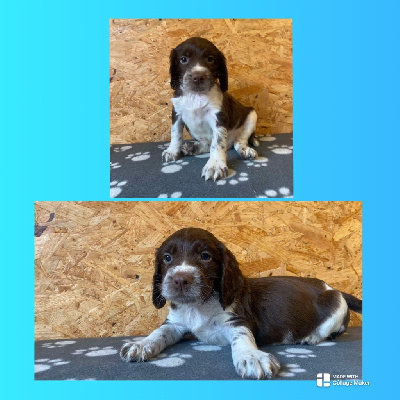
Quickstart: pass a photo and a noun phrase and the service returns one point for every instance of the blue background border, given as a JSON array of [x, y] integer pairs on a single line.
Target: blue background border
[[55, 146]]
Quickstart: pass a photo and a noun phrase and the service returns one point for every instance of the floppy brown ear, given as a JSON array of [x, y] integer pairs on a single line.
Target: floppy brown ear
[[158, 300], [231, 278], [174, 69], [222, 73]]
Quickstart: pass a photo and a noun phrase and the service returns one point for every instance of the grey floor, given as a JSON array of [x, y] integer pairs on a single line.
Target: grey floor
[[137, 171], [98, 359]]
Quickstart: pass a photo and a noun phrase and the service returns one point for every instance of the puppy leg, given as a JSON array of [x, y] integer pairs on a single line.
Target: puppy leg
[[334, 316], [166, 335], [194, 148], [249, 361], [174, 148], [241, 142], [253, 140], [216, 165], [332, 304]]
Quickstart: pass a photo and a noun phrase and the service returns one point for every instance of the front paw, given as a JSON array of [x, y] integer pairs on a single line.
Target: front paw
[[170, 155], [214, 169], [256, 364], [248, 153], [139, 351]]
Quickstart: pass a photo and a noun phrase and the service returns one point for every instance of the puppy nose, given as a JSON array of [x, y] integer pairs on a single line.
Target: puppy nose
[[181, 279], [198, 77]]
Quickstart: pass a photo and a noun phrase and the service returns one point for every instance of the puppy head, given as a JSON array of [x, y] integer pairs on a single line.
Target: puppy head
[[192, 265], [196, 64]]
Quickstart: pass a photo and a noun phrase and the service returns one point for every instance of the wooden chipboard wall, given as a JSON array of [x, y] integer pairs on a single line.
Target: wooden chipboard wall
[[94, 260], [259, 57]]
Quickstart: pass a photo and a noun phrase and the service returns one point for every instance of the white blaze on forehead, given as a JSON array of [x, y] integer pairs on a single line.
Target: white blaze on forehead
[[199, 68], [195, 68], [183, 268]]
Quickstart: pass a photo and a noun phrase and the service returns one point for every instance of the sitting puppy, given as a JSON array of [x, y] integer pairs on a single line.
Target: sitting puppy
[[212, 299], [213, 118]]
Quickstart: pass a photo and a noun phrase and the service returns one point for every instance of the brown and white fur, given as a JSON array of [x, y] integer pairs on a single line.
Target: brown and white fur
[[213, 118], [211, 299]]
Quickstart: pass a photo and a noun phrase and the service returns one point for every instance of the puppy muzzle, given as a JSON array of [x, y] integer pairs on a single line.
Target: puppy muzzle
[[198, 80], [181, 286]]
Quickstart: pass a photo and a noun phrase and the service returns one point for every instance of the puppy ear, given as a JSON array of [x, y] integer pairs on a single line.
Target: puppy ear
[[231, 277], [158, 300], [174, 69], [222, 73]]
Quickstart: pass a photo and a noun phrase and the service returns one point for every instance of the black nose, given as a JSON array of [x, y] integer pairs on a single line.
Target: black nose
[[182, 279], [198, 77]]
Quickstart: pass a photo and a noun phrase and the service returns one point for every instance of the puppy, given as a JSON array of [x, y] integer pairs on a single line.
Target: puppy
[[211, 299], [213, 118]]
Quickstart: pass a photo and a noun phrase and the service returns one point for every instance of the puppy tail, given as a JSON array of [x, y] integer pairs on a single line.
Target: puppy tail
[[253, 140], [353, 303]]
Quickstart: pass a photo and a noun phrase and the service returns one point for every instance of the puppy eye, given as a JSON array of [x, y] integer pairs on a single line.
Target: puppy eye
[[205, 256], [184, 60], [210, 59], [167, 258]]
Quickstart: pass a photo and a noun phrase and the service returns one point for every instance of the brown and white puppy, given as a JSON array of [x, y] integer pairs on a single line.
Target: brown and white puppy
[[213, 118], [211, 299]]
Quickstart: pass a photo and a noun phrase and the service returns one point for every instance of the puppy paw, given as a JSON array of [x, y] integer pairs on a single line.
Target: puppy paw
[[189, 148], [256, 364], [214, 169], [248, 153], [170, 155], [254, 141], [139, 351]]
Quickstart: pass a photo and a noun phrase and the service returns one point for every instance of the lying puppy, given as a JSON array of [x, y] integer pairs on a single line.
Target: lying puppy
[[214, 119], [212, 299]]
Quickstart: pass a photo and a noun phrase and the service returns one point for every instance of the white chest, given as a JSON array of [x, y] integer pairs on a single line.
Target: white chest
[[206, 321], [198, 123], [198, 112]]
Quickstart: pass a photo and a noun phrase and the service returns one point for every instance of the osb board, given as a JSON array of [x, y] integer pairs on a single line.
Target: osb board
[[259, 57], [94, 260]]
